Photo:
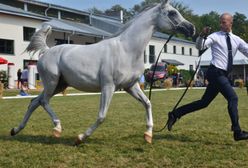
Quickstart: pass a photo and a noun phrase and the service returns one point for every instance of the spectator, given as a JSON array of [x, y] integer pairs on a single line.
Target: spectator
[[24, 89], [19, 81], [24, 75]]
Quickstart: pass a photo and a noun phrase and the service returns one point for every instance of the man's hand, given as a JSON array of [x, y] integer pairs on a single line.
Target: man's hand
[[205, 32]]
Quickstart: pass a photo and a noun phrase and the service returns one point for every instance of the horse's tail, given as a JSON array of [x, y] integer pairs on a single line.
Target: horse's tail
[[38, 40]]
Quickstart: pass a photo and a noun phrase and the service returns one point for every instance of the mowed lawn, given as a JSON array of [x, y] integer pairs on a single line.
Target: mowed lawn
[[201, 139]]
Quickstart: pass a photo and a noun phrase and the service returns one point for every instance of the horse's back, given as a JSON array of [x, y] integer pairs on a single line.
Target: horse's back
[[78, 65]]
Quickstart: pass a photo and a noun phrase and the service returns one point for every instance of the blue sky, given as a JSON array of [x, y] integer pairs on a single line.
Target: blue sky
[[198, 6]]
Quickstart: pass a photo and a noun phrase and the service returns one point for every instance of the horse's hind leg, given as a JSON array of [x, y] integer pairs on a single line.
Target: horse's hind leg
[[106, 96], [32, 106], [57, 130], [138, 94], [48, 93]]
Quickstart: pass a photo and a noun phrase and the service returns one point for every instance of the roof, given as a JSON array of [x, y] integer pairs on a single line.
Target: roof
[[101, 26], [239, 58], [106, 24], [76, 28], [166, 36], [63, 8], [50, 5], [235, 62], [20, 12], [172, 62]]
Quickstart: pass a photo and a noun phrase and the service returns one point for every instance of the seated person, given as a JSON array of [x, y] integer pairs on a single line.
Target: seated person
[[24, 89]]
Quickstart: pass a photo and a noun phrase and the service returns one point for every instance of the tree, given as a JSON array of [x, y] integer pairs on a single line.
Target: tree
[[115, 11], [211, 19], [240, 25], [95, 11]]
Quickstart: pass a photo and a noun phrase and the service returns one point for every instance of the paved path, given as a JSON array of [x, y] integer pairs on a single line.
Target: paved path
[[98, 93]]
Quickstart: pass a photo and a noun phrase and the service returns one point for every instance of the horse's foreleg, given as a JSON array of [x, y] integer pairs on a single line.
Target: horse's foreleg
[[138, 94], [32, 106], [57, 130], [106, 96]]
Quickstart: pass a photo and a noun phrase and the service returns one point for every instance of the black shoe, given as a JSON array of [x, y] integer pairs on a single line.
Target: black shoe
[[241, 135], [171, 121]]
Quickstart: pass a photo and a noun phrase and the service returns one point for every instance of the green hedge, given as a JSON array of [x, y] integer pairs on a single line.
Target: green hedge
[[186, 74], [4, 78]]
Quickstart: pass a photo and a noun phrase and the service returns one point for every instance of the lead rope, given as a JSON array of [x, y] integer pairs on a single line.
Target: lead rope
[[155, 66], [192, 77]]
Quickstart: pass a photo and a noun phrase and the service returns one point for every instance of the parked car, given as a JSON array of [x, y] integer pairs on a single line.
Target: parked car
[[161, 72]]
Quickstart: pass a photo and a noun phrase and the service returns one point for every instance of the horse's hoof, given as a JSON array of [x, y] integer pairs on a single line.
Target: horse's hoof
[[12, 132], [57, 133], [78, 141], [148, 137]]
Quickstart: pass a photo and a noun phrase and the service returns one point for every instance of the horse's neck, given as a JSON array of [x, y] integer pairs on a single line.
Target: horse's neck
[[139, 33]]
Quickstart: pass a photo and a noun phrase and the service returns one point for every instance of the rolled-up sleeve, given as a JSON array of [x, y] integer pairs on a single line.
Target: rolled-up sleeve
[[243, 47]]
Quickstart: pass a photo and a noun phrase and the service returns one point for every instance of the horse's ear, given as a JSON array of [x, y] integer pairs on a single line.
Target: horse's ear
[[164, 2]]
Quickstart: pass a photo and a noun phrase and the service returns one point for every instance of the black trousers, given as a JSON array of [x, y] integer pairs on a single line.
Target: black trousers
[[218, 82]]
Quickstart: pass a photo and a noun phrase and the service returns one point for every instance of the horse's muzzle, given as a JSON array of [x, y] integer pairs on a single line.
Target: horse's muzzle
[[186, 28]]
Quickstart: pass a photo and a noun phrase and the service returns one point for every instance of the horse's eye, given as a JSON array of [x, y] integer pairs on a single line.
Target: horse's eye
[[172, 14]]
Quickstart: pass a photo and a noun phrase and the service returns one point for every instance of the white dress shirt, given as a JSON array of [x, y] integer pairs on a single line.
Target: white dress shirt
[[217, 42]]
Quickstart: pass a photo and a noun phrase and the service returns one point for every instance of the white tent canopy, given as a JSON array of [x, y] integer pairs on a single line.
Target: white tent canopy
[[239, 58]]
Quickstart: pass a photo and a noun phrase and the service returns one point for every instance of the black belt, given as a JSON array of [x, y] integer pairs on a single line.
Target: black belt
[[221, 71]]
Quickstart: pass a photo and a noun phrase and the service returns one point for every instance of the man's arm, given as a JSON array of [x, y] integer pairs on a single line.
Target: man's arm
[[243, 47], [201, 40], [199, 43]]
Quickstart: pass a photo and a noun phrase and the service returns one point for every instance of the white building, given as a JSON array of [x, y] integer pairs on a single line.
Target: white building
[[176, 52], [19, 19]]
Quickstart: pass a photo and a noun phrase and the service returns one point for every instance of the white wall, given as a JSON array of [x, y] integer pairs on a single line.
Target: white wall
[[11, 28], [187, 59]]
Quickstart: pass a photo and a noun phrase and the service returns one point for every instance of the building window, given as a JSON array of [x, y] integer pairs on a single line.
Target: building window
[[182, 50], [190, 51], [165, 48], [75, 17], [151, 53], [6, 46], [62, 41], [191, 67], [29, 62], [145, 57], [28, 33], [174, 49]]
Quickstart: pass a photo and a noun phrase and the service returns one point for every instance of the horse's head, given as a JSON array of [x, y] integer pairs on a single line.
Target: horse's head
[[170, 19]]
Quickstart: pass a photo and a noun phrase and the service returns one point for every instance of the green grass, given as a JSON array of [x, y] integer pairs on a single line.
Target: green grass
[[201, 139]]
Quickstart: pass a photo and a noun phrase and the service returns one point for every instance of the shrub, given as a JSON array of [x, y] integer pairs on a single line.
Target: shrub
[[3, 78], [172, 69], [239, 83], [168, 83], [186, 75]]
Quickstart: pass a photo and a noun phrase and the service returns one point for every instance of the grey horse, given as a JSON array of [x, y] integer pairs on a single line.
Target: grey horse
[[111, 64]]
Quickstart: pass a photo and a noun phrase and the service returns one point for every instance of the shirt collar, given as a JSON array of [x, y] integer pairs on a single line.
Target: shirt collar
[[224, 33]]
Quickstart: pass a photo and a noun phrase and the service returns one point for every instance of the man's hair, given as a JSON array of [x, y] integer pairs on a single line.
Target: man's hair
[[226, 14]]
